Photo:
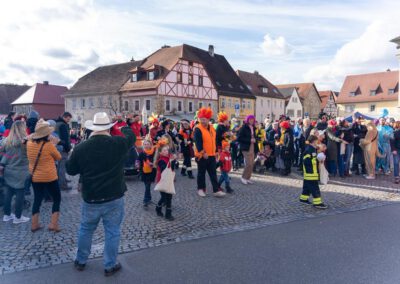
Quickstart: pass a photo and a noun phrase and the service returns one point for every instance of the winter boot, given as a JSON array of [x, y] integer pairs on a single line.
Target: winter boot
[[53, 226], [158, 210], [183, 171], [190, 174], [35, 223], [168, 215]]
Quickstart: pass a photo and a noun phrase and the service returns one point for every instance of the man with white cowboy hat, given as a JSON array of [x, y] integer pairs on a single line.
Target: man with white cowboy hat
[[100, 162]]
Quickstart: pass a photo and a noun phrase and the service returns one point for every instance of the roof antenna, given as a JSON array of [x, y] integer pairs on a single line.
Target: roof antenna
[[132, 59]]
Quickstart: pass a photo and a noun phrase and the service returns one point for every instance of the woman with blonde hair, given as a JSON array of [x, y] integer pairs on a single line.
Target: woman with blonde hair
[[15, 163]]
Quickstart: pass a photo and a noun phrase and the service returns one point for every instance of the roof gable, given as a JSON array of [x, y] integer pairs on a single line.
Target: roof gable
[[384, 84], [42, 94], [303, 89], [257, 82], [8, 94]]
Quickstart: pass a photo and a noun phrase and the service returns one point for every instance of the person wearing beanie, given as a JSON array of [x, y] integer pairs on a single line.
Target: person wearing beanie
[[225, 161], [185, 136], [32, 120], [287, 146], [205, 152], [247, 140], [63, 131]]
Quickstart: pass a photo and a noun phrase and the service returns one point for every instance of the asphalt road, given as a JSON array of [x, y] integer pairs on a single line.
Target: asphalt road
[[358, 247]]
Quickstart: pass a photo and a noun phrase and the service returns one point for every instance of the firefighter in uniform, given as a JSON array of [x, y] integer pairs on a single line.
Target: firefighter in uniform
[[311, 175]]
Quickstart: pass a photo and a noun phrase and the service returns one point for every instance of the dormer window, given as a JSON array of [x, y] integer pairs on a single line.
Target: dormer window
[[264, 90], [391, 91], [249, 87], [134, 77], [218, 84], [150, 75], [230, 85], [241, 87], [372, 93], [352, 94]]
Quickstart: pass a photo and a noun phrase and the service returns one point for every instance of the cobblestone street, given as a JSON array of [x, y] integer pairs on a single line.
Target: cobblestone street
[[272, 200]]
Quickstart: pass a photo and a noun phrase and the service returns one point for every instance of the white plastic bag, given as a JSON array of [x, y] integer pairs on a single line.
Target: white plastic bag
[[166, 183]]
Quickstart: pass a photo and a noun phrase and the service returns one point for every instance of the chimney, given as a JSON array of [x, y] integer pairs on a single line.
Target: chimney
[[165, 46], [255, 72], [46, 83], [388, 70], [132, 60], [211, 50]]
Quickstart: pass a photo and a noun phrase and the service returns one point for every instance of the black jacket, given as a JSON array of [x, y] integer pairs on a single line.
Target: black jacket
[[220, 132], [244, 138], [100, 161], [62, 129], [395, 142], [288, 143], [359, 131], [271, 135]]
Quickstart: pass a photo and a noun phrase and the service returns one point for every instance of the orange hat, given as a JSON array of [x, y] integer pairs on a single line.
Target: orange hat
[[225, 144], [222, 116], [205, 113], [162, 142], [285, 124]]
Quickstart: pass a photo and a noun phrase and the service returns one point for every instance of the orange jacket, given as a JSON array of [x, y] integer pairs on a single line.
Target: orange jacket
[[46, 168]]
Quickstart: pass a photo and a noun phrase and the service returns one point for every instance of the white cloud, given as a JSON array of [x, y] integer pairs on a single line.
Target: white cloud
[[370, 52], [275, 47]]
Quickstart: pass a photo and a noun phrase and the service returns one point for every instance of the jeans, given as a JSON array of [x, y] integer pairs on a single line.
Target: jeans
[[112, 214], [332, 167], [388, 153], [147, 192], [19, 201], [224, 177], [40, 189], [347, 158], [396, 161], [61, 171], [341, 165], [210, 166]]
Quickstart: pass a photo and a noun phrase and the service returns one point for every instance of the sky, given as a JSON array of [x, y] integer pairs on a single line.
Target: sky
[[286, 41]]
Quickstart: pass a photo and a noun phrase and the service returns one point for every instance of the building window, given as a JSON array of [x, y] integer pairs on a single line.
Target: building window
[[222, 102], [190, 79], [150, 75], [148, 104], [349, 108], [265, 90], [73, 103], [372, 108], [100, 102], [179, 77], [168, 105], [200, 104], [243, 104], [290, 112], [274, 103], [126, 105], [230, 103], [83, 103], [294, 100], [268, 103], [190, 107], [248, 104], [391, 91], [190, 63], [352, 94], [91, 103], [200, 80], [137, 105], [179, 105], [299, 114], [372, 93], [134, 77], [249, 87], [281, 104]]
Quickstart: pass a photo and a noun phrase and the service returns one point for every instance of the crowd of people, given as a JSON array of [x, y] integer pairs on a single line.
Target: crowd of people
[[38, 154]]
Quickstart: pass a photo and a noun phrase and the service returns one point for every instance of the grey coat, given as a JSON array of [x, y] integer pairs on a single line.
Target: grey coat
[[332, 145], [16, 165]]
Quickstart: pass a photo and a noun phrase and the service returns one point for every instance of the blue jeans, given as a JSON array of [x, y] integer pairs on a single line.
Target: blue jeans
[[396, 161], [112, 214], [332, 167], [224, 178], [347, 158], [19, 201]]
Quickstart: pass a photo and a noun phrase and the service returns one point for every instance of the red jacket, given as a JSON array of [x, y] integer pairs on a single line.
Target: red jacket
[[226, 161], [116, 129], [136, 127]]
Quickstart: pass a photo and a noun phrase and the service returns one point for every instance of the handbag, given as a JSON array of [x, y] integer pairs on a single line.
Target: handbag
[[29, 180], [166, 183]]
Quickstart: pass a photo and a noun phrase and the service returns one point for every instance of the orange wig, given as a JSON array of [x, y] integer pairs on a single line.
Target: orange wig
[[205, 113], [222, 116]]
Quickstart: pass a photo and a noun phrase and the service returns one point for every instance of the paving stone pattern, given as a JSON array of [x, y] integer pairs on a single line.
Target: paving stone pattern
[[272, 200]]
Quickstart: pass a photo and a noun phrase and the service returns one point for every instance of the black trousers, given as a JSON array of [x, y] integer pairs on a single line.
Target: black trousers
[[40, 189], [210, 166], [311, 187], [187, 161], [166, 199]]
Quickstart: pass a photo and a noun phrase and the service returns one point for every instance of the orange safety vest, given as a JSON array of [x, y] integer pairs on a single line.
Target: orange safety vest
[[209, 141]]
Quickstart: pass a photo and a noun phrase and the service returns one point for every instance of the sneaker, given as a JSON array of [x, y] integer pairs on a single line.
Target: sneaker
[[111, 271], [307, 202], [244, 181], [21, 219], [219, 194], [370, 177], [250, 181], [79, 266], [320, 206], [7, 218], [201, 193]]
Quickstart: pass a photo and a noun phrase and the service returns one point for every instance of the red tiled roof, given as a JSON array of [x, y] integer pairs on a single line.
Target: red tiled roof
[[256, 82], [363, 84], [303, 89], [42, 94]]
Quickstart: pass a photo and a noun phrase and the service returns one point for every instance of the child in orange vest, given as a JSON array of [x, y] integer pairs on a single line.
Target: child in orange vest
[[148, 171], [226, 166]]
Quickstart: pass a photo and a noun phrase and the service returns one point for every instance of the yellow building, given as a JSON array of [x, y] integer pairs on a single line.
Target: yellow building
[[238, 107], [370, 94]]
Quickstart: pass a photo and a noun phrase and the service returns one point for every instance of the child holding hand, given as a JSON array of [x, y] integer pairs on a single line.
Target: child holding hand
[[226, 166]]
